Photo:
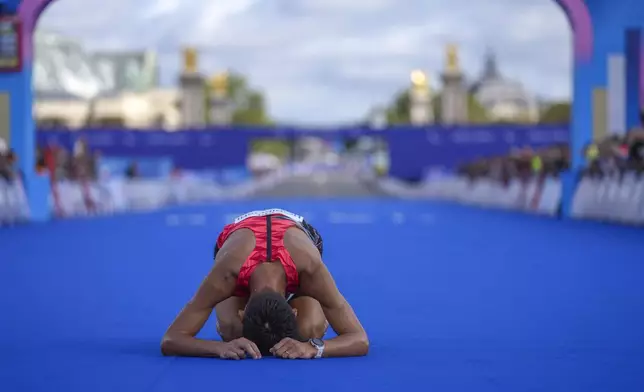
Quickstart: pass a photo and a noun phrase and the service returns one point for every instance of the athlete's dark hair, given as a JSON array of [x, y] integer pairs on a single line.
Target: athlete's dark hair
[[268, 319]]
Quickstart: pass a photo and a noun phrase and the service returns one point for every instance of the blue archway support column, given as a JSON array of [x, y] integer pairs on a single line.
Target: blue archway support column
[[581, 128], [632, 53], [21, 127]]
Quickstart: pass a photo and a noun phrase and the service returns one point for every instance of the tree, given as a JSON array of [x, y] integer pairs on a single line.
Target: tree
[[556, 113], [249, 105], [476, 113], [398, 112], [251, 110]]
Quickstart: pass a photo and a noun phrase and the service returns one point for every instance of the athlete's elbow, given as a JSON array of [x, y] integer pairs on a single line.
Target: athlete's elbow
[[363, 345], [168, 345]]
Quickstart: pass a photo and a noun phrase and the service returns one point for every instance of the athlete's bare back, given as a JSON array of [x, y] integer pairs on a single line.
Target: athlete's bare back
[[241, 243]]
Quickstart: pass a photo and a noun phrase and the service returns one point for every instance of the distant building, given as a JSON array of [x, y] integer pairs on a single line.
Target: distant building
[[127, 71], [504, 99], [74, 88]]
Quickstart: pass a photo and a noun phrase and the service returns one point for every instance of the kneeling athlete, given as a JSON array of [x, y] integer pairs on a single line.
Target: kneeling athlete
[[272, 295]]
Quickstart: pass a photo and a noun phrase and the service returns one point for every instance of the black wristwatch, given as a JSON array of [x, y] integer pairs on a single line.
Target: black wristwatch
[[319, 345]]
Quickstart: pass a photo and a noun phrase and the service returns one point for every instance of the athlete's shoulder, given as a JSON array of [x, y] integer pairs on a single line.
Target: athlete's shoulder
[[234, 251], [302, 250]]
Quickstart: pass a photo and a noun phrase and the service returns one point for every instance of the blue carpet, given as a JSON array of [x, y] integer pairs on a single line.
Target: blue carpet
[[453, 299]]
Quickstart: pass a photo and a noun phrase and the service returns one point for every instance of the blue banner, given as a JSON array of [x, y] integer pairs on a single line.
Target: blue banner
[[412, 149], [411, 153]]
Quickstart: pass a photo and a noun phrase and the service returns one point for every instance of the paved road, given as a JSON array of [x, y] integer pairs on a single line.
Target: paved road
[[334, 184]]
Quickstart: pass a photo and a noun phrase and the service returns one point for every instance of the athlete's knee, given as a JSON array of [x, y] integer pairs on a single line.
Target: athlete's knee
[[312, 328], [229, 329]]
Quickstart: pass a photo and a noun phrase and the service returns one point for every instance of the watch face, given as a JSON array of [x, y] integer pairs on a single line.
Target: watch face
[[317, 342]]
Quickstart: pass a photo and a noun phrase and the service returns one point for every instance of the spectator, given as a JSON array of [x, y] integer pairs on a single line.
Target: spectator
[[521, 164], [7, 162], [41, 162], [62, 164], [636, 148], [4, 163], [80, 147], [5, 167], [132, 171], [4, 147], [94, 164], [635, 145], [82, 161], [176, 172]]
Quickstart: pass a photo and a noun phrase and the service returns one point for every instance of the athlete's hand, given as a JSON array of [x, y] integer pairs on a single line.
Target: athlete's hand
[[289, 348], [241, 348]]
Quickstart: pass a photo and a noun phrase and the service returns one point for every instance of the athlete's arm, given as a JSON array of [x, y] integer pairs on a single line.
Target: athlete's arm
[[180, 338], [352, 339]]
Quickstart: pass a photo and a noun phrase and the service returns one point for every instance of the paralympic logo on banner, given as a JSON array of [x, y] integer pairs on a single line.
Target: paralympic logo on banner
[[434, 138], [129, 140], [474, 137]]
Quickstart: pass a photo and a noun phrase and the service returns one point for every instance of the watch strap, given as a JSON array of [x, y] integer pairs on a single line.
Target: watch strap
[[320, 349]]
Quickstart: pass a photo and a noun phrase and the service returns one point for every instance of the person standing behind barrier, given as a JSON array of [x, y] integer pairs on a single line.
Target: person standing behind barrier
[[591, 153], [132, 171], [41, 165], [7, 164], [4, 147], [536, 163], [636, 145], [83, 172], [4, 161], [82, 161]]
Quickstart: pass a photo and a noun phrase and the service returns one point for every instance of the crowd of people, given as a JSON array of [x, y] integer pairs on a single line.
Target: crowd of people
[[81, 164], [522, 163], [55, 161], [615, 154]]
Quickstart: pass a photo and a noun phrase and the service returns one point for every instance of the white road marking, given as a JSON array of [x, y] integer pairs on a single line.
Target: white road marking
[[353, 219], [172, 220], [428, 219], [175, 220], [197, 220], [398, 218]]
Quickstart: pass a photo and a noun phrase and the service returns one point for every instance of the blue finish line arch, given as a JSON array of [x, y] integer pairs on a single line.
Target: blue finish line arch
[[598, 30]]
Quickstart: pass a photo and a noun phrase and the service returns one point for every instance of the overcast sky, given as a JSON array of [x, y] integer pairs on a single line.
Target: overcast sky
[[327, 61]]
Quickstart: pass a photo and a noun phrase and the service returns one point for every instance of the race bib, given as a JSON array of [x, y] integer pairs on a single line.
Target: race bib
[[272, 211]]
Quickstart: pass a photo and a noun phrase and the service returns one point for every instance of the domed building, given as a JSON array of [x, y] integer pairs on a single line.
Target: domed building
[[505, 100]]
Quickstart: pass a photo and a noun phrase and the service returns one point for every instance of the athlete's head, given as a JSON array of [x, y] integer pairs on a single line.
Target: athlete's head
[[268, 318]]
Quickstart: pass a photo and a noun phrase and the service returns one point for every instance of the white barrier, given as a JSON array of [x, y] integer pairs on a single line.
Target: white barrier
[[13, 202], [536, 196], [618, 199], [120, 195], [610, 199]]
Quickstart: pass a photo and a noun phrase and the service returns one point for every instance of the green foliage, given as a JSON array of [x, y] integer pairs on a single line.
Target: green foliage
[[251, 110], [277, 147], [556, 113], [398, 111], [476, 113], [249, 104]]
